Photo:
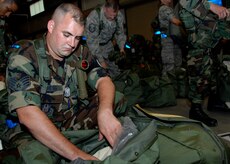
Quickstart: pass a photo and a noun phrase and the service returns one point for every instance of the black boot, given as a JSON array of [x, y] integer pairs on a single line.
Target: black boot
[[196, 112]]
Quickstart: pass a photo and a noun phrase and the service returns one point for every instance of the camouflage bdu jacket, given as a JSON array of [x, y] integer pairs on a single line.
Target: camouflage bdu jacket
[[203, 26], [99, 33], [166, 13], [60, 101]]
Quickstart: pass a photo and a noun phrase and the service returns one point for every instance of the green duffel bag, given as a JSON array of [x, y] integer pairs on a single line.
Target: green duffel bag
[[185, 141], [158, 91], [153, 138], [128, 83], [136, 147]]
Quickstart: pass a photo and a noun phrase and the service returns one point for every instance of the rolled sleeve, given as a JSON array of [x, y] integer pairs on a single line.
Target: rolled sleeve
[[94, 75], [23, 98]]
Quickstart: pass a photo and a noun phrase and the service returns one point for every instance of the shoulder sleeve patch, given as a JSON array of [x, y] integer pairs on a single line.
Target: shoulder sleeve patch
[[19, 84], [92, 27]]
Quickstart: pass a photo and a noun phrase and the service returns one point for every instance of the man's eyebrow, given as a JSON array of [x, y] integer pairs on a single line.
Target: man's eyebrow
[[77, 37], [66, 32]]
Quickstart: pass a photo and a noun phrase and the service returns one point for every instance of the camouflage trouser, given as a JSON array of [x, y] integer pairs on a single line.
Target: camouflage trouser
[[171, 55], [28, 150], [201, 74]]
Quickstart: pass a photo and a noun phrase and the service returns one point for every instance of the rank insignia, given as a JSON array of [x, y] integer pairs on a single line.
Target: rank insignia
[[19, 84], [92, 27]]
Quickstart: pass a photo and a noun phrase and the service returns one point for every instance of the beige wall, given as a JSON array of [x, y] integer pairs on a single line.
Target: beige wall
[[139, 19]]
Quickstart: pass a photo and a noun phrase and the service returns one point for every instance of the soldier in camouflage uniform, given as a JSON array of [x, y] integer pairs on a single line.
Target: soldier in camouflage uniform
[[50, 104], [204, 22], [104, 24], [170, 53], [6, 8]]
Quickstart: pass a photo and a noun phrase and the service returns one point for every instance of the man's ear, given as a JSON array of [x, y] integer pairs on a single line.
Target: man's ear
[[50, 26]]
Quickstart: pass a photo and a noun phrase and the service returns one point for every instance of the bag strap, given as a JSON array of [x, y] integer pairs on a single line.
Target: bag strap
[[166, 118]]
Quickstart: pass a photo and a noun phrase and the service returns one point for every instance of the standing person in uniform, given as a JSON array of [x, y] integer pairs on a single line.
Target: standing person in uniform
[[47, 107], [6, 8], [104, 24], [170, 53], [205, 25]]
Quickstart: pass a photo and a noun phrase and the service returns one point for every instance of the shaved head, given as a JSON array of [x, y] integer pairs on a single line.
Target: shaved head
[[68, 8]]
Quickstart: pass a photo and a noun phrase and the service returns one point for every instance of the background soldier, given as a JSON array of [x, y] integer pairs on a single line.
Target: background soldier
[[6, 8], [204, 22], [104, 24], [171, 53]]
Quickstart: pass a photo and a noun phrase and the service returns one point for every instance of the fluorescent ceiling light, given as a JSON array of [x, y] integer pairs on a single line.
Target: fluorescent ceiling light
[[37, 8]]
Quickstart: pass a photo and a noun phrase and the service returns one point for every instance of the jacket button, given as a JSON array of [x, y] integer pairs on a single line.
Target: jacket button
[[136, 153]]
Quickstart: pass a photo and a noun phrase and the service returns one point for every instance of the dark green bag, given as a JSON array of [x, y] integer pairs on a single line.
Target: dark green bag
[[138, 149], [220, 99], [128, 83], [165, 139], [182, 140], [158, 91], [223, 80]]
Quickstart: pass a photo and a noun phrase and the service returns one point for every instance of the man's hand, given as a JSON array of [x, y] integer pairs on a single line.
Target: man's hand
[[46, 132], [109, 126], [122, 51], [222, 12]]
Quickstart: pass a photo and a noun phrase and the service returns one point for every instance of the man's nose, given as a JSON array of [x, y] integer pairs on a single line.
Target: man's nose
[[72, 42]]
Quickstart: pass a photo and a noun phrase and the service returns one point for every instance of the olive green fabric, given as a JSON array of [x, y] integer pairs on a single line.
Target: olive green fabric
[[128, 83], [182, 140], [165, 139], [137, 149], [153, 91], [223, 80], [158, 91]]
